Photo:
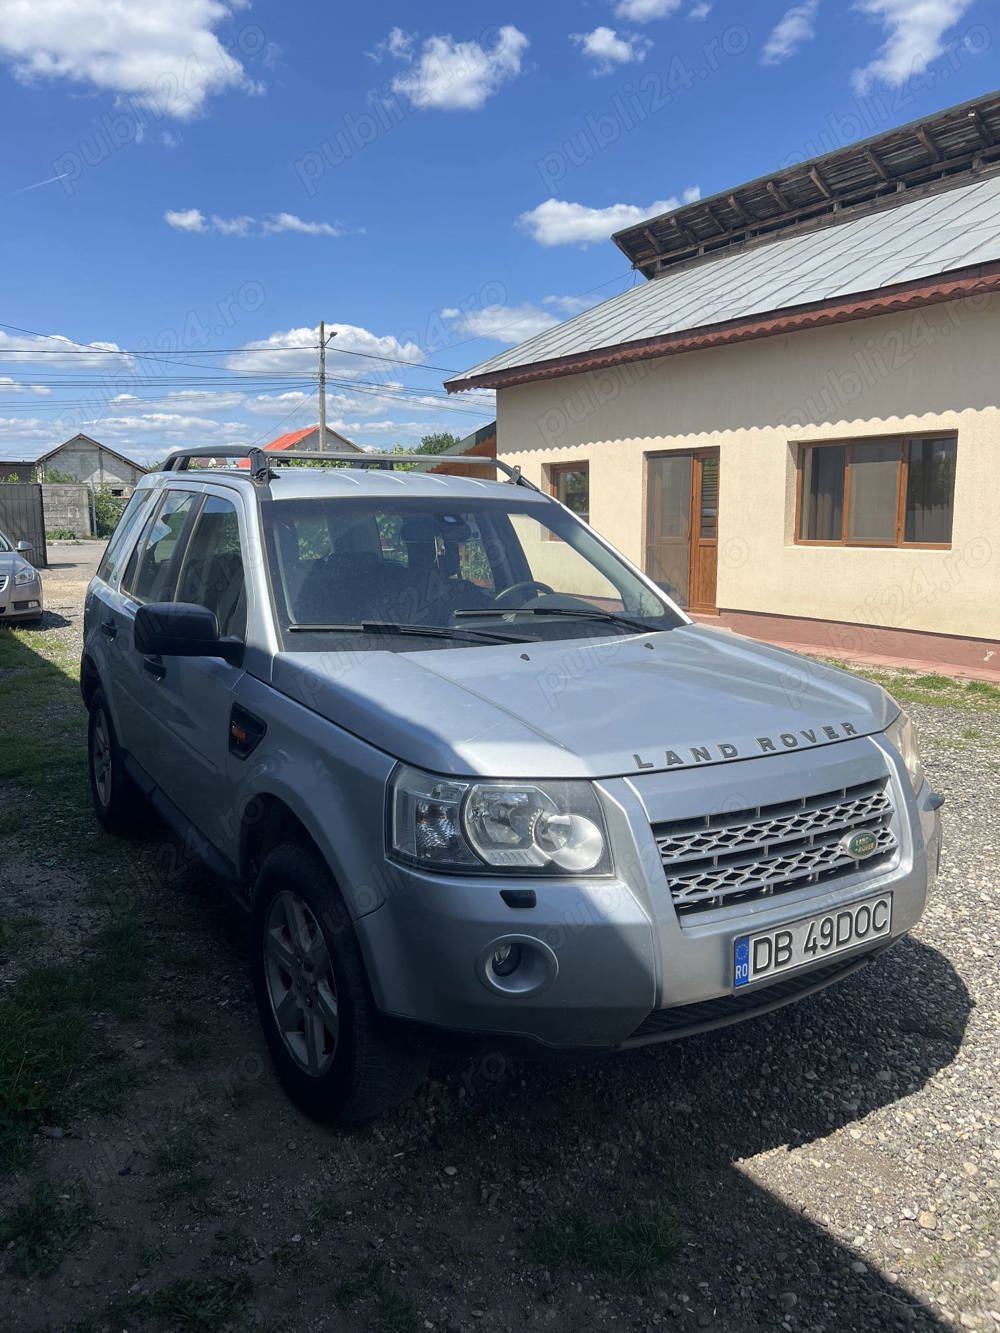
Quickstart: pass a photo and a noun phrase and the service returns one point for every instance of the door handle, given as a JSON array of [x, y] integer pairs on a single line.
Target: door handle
[[155, 667], [109, 629]]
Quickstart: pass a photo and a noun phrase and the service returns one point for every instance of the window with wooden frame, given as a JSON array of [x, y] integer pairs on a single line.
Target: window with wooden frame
[[570, 484], [877, 492]]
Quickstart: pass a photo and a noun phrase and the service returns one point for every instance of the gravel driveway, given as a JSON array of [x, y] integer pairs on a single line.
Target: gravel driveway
[[830, 1167]]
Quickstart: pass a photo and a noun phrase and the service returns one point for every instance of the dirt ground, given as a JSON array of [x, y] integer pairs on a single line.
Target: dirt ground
[[831, 1167]]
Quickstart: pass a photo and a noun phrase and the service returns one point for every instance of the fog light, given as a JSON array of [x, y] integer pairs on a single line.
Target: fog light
[[32, 606], [506, 959]]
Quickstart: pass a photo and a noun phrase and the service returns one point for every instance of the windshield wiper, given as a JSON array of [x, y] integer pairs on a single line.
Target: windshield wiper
[[589, 613], [421, 631]]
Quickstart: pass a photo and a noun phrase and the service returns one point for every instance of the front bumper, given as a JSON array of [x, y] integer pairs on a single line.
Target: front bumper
[[608, 962], [20, 601]]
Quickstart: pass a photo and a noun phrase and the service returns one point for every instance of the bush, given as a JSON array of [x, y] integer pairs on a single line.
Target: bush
[[107, 511], [60, 535]]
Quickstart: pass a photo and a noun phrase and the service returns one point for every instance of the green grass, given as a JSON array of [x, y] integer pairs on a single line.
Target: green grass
[[54, 1059], [913, 687], [179, 1160], [631, 1246], [387, 1309], [43, 1226], [188, 1038], [190, 1305], [18, 932]]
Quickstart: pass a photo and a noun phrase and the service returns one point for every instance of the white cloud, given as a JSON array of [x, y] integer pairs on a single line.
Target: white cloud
[[461, 76], [398, 44], [271, 224], [165, 55], [700, 10], [276, 222], [795, 27], [571, 305], [914, 29], [607, 49], [186, 219], [559, 222], [263, 355], [8, 385], [507, 323], [515, 323], [55, 351], [644, 11], [238, 226]]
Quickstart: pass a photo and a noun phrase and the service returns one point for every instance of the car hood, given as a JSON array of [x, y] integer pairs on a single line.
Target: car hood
[[596, 707]]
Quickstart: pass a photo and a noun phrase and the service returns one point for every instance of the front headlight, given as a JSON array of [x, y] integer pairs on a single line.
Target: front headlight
[[903, 735], [24, 573], [533, 828]]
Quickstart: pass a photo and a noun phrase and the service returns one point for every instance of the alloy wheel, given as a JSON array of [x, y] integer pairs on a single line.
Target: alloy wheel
[[300, 982], [101, 759]]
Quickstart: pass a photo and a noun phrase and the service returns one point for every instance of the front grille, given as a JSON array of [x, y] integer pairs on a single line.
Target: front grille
[[683, 1019], [740, 856], [3, 582]]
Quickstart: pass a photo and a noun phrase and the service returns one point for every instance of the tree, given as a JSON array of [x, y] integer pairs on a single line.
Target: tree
[[436, 444]]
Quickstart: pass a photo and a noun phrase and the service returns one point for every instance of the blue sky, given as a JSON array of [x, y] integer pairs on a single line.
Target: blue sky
[[201, 182]]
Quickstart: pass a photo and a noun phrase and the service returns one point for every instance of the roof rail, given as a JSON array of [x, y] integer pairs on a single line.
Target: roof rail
[[261, 462]]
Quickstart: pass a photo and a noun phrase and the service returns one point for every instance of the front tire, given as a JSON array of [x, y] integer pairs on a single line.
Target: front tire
[[336, 1056], [119, 805]]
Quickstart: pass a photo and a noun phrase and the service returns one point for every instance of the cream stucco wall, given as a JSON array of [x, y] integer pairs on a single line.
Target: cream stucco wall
[[937, 369]]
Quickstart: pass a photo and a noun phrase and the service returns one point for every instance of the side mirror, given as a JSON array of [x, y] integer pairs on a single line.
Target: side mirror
[[182, 629], [24, 548]]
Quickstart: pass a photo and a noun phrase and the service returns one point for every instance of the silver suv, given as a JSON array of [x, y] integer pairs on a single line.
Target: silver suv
[[469, 770]]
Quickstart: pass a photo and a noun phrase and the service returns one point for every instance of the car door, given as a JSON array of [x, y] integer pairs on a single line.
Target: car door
[[150, 576], [195, 694], [103, 617]]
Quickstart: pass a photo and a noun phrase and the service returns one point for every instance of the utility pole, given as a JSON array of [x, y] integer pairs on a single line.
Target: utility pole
[[324, 338]]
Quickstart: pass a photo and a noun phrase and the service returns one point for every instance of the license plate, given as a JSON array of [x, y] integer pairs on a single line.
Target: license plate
[[769, 952]]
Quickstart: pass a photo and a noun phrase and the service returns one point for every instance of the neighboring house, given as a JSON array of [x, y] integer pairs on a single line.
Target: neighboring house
[[795, 422], [481, 443], [307, 442], [82, 459]]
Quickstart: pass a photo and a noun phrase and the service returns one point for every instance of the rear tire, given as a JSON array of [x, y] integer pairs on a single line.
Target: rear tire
[[119, 805], [336, 1056]]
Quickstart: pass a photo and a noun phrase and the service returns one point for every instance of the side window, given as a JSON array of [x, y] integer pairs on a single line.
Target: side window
[[155, 564], [213, 573], [120, 544]]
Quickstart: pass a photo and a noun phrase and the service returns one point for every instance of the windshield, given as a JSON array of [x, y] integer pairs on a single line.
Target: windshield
[[375, 572], [5, 544]]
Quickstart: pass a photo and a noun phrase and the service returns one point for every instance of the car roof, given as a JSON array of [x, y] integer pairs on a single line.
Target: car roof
[[299, 483]]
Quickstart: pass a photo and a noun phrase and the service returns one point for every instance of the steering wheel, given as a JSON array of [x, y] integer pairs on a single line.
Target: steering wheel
[[504, 597]]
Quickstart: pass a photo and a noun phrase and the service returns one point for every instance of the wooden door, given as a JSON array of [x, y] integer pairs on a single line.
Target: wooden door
[[682, 525], [704, 530]]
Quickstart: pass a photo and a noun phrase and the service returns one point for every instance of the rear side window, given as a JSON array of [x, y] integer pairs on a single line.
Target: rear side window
[[120, 544], [154, 566]]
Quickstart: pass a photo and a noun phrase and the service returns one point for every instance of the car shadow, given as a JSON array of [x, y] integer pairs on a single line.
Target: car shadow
[[695, 1123], [50, 620], [699, 1127]]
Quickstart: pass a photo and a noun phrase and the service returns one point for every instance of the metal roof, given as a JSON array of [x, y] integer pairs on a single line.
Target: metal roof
[[924, 237], [961, 139]]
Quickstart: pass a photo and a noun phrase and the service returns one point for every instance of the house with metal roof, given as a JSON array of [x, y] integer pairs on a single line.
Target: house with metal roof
[[793, 423], [79, 458]]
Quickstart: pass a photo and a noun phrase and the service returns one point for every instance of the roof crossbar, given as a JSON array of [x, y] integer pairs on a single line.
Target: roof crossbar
[[262, 463]]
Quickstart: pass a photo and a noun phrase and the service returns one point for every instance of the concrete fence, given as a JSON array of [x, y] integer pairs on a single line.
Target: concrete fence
[[68, 508]]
